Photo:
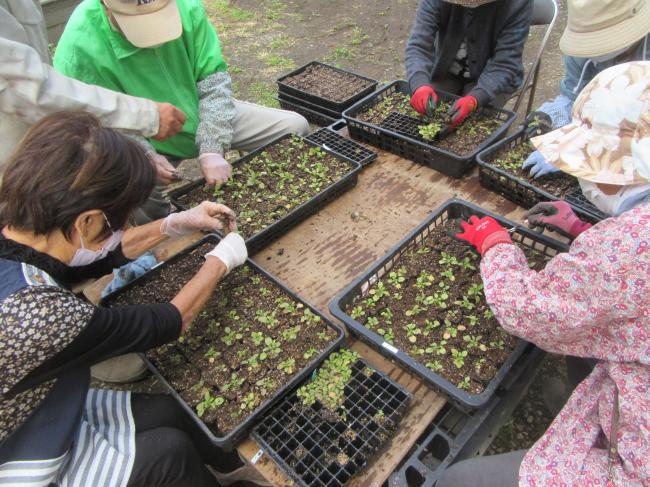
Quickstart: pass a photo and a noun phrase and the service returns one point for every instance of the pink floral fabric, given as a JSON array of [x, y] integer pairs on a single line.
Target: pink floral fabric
[[593, 301]]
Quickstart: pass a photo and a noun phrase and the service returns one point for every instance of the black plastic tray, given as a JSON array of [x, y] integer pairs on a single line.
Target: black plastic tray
[[318, 100], [310, 106], [404, 144], [450, 210], [522, 192], [230, 440], [365, 396], [455, 434], [312, 116], [330, 139], [262, 238]]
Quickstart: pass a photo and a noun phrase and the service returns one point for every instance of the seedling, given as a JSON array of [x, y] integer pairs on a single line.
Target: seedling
[[287, 366], [357, 312], [412, 332], [458, 357], [437, 348], [429, 131], [372, 322], [465, 383], [209, 402]]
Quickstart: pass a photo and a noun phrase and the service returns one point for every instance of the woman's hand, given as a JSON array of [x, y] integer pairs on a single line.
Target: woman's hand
[[207, 217], [483, 233]]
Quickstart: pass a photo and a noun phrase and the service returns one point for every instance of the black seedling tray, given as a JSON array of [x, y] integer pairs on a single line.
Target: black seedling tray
[[291, 426], [262, 238], [229, 440], [455, 434], [283, 88], [310, 106], [312, 116], [329, 139], [522, 192], [453, 209], [398, 137]]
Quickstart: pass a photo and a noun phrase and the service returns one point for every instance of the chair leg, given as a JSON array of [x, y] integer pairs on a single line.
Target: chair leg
[[533, 88]]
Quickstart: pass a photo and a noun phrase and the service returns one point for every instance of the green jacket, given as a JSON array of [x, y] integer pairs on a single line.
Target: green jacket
[[91, 50]]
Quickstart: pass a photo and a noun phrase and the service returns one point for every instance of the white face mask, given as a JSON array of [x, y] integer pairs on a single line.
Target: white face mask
[[612, 204], [84, 256]]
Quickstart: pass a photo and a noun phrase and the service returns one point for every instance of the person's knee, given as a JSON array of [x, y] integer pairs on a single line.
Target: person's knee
[[294, 123]]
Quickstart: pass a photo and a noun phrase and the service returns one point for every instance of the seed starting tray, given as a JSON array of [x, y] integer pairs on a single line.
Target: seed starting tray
[[451, 210], [284, 88], [290, 427], [310, 106], [262, 238], [313, 116], [229, 440], [329, 139], [522, 192], [398, 138]]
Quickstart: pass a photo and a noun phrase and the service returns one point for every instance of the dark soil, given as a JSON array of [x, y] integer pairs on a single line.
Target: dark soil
[[328, 83], [511, 159], [267, 187], [432, 307], [475, 130], [248, 342]]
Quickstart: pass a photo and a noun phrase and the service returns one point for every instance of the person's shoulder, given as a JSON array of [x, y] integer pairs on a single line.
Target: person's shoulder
[[87, 11], [191, 7], [84, 24]]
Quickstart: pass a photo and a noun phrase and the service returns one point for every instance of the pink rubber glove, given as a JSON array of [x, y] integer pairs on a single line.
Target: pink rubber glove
[[231, 251], [206, 217], [164, 170], [557, 216], [215, 168], [483, 233]]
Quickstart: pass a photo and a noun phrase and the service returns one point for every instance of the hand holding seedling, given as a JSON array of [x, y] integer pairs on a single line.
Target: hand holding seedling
[[461, 110], [207, 217], [231, 251], [483, 233], [171, 121], [557, 216], [166, 173], [215, 168], [424, 100]]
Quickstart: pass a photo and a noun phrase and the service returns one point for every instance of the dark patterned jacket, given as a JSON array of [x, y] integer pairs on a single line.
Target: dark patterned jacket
[[496, 33], [49, 338]]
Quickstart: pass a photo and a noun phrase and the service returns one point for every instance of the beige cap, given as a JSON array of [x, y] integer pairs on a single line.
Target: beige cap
[[599, 27], [608, 139], [147, 23], [469, 3]]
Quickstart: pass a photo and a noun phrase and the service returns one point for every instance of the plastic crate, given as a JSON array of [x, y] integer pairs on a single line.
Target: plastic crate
[[406, 144], [365, 394], [310, 106], [451, 210], [284, 88], [229, 440], [262, 238], [523, 192], [330, 139], [312, 116], [455, 434]]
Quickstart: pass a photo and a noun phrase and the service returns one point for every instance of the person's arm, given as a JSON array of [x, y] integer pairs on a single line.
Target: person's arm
[[32, 89], [575, 77], [421, 45], [503, 71]]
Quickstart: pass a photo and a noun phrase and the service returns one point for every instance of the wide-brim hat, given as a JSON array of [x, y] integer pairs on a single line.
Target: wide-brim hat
[[608, 140], [599, 27], [147, 23], [469, 3]]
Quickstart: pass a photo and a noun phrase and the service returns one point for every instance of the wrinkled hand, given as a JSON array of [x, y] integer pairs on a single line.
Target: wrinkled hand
[[461, 110], [171, 121], [483, 233], [557, 216], [538, 165], [215, 168], [207, 217], [424, 100], [231, 251], [164, 170]]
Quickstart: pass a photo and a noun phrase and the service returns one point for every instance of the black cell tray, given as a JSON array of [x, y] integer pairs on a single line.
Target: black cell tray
[[522, 192], [365, 396], [456, 435], [330, 139], [402, 141], [451, 210], [283, 88], [262, 238], [310, 106], [313, 116], [229, 440]]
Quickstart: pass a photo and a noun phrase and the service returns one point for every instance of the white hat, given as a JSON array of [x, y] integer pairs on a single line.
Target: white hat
[[147, 23]]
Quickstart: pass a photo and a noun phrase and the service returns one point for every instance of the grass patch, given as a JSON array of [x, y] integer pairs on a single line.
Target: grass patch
[[263, 94]]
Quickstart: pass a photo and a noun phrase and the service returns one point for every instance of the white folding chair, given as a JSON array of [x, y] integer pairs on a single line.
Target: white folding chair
[[544, 13]]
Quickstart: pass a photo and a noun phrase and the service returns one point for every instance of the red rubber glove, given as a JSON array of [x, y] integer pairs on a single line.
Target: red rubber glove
[[461, 110], [483, 233], [424, 99], [557, 216]]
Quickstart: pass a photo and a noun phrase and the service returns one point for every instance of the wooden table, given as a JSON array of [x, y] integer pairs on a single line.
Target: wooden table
[[327, 251]]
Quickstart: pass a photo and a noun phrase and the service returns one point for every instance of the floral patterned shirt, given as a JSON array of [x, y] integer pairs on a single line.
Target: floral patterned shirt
[[593, 301]]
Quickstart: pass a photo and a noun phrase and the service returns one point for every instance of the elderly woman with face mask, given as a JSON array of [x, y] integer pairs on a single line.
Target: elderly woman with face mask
[[592, 302], [66, 197]]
